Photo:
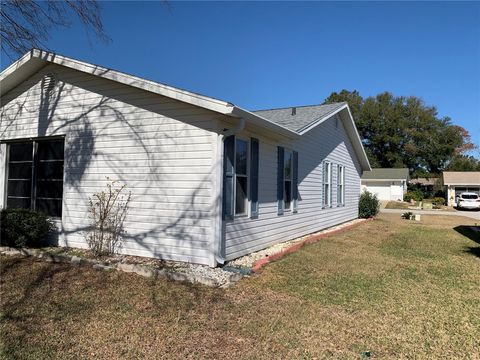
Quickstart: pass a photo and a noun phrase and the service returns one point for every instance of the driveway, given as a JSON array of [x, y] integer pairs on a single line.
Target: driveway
[[470, 214]]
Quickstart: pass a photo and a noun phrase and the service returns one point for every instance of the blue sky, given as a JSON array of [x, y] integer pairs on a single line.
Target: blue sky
[[276, 54]]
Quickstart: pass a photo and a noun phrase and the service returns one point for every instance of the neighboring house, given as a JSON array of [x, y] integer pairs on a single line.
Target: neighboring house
[[425, 184], [457, 182], [386, 183], [210, 181]]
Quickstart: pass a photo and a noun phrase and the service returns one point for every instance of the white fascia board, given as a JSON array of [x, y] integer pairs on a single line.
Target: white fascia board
[[212, 104], [322, 119], [352, 132]]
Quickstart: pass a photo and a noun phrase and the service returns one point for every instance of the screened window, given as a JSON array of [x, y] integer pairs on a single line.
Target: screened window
[[340, 185], [35, 176], [327, 184], [287, 179], [241, 177]]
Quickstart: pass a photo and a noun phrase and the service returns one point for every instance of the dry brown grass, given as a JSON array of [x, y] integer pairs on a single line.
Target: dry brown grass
[[397, 205], [397, 288]]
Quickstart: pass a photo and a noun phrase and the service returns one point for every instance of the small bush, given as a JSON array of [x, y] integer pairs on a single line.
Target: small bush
[[23, 227], [438, 200], [414, 194], [108, 209], [368, 205], [408, 215]]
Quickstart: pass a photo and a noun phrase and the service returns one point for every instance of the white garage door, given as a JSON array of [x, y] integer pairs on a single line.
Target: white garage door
[[383, 191]]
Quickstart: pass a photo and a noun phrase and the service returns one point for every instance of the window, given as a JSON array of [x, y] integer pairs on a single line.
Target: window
[[340, 185], [241, 177], [327, 184], [35, 176], [287, 180]]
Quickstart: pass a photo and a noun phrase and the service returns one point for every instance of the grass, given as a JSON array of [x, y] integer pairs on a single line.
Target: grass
[[397, 205], [397, 288]]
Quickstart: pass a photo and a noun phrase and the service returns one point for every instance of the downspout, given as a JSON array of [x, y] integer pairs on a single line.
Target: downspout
[[219, 231]]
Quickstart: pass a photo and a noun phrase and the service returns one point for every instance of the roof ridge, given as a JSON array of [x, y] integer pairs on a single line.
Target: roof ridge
[[301, 106]]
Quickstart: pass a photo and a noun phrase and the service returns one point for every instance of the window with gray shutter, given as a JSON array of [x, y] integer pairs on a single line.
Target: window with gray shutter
[[228, 176], [254, 164], [280, 172], [295, 182]]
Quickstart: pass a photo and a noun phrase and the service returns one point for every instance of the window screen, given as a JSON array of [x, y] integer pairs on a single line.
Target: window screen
[[35, 176]]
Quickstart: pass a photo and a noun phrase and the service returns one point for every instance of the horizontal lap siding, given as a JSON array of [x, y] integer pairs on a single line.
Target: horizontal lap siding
[[326, 142], [160, 148]]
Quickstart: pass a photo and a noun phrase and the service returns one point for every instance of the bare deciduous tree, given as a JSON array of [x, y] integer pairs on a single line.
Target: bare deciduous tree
[[26, 24]]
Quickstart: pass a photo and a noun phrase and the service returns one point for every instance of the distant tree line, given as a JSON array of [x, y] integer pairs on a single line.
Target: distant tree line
[[400, 131]]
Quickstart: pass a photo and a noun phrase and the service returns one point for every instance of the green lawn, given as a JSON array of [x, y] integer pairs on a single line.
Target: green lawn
[[396, 288]]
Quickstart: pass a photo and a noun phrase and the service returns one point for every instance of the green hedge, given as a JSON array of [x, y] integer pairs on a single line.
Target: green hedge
[[368, 206], [22, 227], [414, 194]]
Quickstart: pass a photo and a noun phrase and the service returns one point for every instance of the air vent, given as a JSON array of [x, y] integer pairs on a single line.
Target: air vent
[[294, 111], [49, 83]]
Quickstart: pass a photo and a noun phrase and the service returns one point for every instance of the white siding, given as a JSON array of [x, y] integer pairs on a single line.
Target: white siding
[[162, 149], [325, 142]]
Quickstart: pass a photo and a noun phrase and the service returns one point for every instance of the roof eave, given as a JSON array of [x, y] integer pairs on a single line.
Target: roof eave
[[40, 58]]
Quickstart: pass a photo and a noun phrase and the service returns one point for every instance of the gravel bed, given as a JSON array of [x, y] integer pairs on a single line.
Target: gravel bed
[[194, 273], [177, 271], [249, 260]]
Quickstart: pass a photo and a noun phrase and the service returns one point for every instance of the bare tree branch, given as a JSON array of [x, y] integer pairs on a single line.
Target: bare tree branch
[[26, 24]]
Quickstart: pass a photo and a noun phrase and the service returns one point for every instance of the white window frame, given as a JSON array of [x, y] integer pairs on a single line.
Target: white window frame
[[289, 152], [327, 184], [247, 176], [340, 185]]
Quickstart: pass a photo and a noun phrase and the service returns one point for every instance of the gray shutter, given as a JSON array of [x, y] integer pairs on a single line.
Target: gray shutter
[[280, 170], [254, 150], [295, 182], [228, 176], [331, 184]]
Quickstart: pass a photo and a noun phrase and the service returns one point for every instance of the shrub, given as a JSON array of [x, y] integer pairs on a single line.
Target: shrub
[[24, 227], [408, 215], [108, 209], [368, 205], [438, 200], [415, 194]]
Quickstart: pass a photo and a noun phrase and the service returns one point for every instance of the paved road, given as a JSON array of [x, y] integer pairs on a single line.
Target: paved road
[[471, 214]]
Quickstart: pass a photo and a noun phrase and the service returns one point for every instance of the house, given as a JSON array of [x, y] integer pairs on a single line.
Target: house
[[386, 183], [427, 185], [457, 182], [210, 181]]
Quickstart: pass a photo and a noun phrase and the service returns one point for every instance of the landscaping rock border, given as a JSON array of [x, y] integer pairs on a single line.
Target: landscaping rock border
[[190, 273]]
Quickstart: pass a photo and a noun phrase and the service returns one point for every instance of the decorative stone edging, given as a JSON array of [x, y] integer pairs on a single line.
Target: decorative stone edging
[[141, 270]]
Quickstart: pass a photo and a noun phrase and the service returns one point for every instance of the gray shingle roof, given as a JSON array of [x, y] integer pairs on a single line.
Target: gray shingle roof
[[386, 173], [305, 115]]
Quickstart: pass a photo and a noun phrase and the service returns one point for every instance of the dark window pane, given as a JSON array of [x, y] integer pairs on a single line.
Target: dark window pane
[[288, 165], [241, 157], [20, 170], [50, 170], [287, 194], [50, 150], [19, 188], [18, 203], [21, 152], [50, 207], [241, 195], [49, 189]]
